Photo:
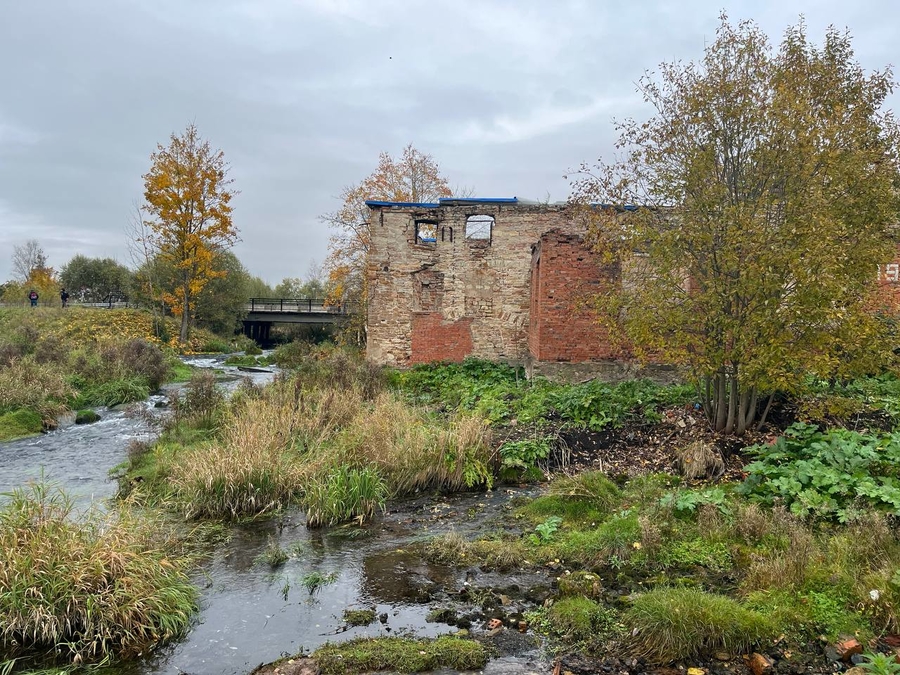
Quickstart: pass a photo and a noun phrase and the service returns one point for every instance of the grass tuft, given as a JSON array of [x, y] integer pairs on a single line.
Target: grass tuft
[[670, 624], [84, 588]]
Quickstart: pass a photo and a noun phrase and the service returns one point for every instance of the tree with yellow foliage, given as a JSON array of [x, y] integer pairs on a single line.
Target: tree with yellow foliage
[[187, 198], [768, 189], [411, 177]]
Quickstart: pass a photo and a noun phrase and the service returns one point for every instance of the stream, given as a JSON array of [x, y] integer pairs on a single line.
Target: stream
[[252, 613]]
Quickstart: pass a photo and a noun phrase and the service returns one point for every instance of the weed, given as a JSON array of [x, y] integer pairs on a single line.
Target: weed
[[670, 624], [313, 582], [827, 474], [687, 501], [579, 622], [880, 664], [344, 494], [543, 532], [273, 555], [526, 453]]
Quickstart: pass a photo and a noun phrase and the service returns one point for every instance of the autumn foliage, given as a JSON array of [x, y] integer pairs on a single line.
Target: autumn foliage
[[411, 177], [188, 196], [767, 189]]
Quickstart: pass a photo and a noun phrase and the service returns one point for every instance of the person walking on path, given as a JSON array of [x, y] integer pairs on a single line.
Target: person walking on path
[[33, 296], [64, 297]]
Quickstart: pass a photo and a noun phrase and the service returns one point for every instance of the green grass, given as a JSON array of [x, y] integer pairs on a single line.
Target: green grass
[[577, 624], [344, 494], [402, 655], [107, 588], [672, 624], [359, 617], [19, 424]]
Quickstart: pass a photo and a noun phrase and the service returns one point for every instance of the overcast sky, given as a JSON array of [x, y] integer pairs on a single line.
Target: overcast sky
[[302, 95]]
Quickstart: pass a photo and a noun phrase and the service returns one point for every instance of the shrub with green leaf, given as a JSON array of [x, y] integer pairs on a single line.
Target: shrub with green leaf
[[827, 474]]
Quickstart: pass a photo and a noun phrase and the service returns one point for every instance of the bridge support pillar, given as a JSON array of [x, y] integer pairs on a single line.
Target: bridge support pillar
[[258, 331]]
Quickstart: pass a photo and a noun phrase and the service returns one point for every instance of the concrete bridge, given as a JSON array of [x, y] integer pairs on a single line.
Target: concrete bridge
[[263, 312]]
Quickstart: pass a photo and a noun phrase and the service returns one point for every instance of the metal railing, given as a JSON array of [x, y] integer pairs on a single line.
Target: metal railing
[[298, 306]]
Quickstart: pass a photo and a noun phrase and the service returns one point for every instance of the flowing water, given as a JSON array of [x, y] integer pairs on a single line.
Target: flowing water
[[252, 613]]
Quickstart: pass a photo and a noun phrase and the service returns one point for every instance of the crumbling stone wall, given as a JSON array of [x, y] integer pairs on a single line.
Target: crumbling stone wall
[[565, 278], [453, 297]]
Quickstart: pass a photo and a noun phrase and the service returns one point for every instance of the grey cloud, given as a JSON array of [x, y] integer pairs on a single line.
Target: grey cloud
[[508, 95]]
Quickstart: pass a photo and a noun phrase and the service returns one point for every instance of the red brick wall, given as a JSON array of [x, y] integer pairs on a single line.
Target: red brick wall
[[434, 339], [563, 326]]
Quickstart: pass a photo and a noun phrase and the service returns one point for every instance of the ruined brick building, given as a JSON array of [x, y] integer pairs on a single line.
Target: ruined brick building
[[497, 279]]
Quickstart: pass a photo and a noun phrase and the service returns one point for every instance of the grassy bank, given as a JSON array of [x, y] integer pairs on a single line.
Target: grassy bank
[[329, 437], [53, 361], [673, 573], [79, 589]]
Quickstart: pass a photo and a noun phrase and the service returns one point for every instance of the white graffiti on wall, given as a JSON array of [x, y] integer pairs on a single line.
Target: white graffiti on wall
[[889, 273]]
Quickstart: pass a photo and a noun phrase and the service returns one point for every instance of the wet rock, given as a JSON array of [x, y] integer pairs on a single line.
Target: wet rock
[[760, 664], [580, 584], [294, 666], [442, 615], [161, 404], [86, 416], [383, 617], [847, 648]]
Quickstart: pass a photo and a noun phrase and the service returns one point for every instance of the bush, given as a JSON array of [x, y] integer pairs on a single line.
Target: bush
[[202, 402], [827, 474], [671, 624], [250, 471], [143, 359], [114, 392], [106, 588], [501, 394]]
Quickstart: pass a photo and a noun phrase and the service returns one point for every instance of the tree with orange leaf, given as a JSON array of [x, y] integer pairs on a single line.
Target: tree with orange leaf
[[411, 177], [187, 198]]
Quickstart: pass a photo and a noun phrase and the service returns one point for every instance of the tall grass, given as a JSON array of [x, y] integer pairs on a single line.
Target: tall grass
[[84, 588], [250, 471], [327, 438], [41, 387]]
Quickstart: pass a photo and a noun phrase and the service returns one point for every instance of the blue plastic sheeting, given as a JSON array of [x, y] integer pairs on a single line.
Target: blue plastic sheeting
[[481, 200], [422, 205], [374, 203]]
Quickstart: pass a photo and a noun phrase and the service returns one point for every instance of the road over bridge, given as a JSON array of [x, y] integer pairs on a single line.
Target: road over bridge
[[263, 312]]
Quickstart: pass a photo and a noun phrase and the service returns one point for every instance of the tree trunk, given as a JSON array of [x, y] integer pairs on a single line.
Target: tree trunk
[[185, 315]]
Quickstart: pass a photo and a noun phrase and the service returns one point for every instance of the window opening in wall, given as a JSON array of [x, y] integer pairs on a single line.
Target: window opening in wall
[[426, 232], [478, 228], [446, 234]]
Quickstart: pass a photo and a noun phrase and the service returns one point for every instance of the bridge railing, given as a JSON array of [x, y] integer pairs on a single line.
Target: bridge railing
[[298, 306]]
